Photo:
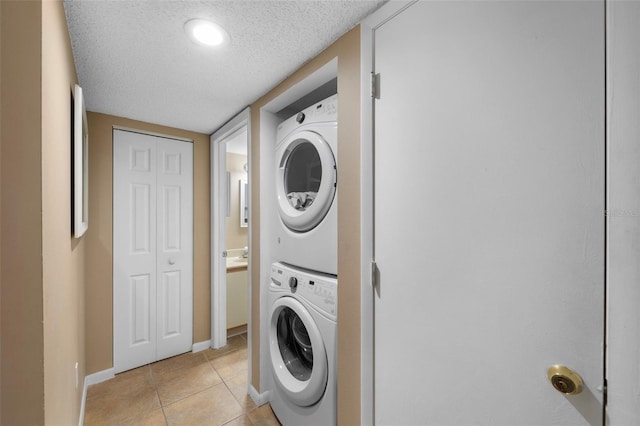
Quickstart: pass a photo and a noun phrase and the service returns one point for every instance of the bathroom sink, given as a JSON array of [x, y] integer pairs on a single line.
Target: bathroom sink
[[237, 262]]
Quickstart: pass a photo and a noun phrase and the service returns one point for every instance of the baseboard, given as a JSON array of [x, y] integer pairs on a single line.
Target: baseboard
[[234, 331], [82, 403], [259, 398], [99, 377], [89, 380], [201, 346]]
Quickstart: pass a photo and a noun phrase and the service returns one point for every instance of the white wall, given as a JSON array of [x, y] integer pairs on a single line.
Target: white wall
[[623, 113]]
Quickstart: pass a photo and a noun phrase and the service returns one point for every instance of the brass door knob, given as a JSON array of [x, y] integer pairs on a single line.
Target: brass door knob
[[565, 380]]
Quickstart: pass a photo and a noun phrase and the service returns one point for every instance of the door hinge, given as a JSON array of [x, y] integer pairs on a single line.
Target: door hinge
[[224, 253], [375, 86], [373, 277]]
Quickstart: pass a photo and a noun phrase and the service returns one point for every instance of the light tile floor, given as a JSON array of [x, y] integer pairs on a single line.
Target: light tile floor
[[208, 387]]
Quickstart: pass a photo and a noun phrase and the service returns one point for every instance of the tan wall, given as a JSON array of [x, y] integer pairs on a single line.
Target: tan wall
[[347, 50], [22, 366], [237, 237], [63, 256], [99, 303]]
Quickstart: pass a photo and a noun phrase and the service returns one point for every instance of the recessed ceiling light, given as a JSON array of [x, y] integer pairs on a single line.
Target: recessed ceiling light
[[206, 32]]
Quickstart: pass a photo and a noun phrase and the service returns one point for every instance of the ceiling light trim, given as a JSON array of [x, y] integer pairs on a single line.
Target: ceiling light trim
[[206, 33]]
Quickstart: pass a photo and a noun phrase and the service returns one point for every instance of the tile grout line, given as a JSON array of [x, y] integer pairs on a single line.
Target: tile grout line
[[245, 410], [166, 420], [222, 381], [154, 380]]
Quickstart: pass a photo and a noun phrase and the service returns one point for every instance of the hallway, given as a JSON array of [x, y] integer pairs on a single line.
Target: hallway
[[208, 387]]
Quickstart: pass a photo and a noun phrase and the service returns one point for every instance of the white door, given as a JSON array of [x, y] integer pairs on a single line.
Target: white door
[[153, 248], [489, 212]]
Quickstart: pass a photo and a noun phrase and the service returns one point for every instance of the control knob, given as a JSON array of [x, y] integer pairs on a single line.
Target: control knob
[[293, 283]]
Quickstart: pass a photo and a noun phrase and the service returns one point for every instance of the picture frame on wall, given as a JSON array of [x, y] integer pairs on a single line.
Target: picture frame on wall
[[80, 165]]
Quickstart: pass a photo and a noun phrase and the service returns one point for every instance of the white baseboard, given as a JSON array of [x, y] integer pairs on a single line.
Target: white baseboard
[[82, 403], [99, 377], [201, 346], [89, 380], [259, 398]]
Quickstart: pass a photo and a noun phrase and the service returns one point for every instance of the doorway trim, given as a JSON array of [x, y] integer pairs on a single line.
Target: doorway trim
[[218, 222]]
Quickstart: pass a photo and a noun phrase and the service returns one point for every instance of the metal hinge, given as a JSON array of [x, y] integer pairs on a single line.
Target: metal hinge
[[374, 274], [604, 391], [224, 253], [375, 86]]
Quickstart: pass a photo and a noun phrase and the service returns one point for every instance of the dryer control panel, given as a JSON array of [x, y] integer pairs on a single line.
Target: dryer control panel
[[319, 290], [323, 111]]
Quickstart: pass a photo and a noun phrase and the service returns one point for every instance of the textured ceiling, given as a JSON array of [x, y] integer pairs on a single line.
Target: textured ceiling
[[134, 60]]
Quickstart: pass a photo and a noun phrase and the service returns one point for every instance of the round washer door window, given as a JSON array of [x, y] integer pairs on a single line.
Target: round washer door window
[[305, 180], [298, 355]]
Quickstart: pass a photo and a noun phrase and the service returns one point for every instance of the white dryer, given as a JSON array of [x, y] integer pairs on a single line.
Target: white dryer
[[306, 184], [302, 346]]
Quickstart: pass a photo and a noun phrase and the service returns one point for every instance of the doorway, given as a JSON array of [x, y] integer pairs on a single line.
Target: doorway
[[237, 236], [152, 248], [230, 231]]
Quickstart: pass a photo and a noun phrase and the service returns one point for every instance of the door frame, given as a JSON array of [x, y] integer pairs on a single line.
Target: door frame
[[219, 210], [367, 301]]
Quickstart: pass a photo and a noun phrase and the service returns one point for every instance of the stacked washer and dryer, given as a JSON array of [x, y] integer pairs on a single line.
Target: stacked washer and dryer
[[303, 288]]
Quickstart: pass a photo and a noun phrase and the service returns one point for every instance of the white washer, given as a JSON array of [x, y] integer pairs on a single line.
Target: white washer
[[302, 345], [306, 184]]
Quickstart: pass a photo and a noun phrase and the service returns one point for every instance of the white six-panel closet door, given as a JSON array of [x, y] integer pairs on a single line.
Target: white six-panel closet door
[[153, 248]]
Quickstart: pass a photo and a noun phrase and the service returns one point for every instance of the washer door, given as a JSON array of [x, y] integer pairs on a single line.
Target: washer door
[[298, 355], [305, 180]]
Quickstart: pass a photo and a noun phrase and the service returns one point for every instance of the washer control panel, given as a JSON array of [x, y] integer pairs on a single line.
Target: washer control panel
[[319, 290]]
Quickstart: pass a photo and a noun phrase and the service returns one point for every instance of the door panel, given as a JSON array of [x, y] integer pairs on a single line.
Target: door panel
[[171, 200], [134, 241], [175, 246], [171, 304], [140, 298], [489, 201], [153, 254], [140, 218]]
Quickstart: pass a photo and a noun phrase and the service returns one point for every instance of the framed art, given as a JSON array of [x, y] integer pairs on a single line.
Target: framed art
[[80, 165]]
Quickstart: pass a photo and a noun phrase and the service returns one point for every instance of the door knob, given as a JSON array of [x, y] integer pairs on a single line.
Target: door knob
[[565, 380], [172, 261]]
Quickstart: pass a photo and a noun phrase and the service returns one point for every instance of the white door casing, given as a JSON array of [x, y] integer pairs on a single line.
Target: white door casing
[[489, 203], [219, 209], [153, 248]]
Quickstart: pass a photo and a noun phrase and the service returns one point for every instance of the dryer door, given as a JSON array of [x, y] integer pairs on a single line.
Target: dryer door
[[298, 355], [305, 180]]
